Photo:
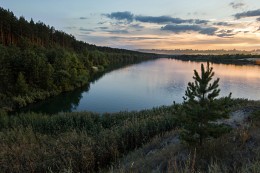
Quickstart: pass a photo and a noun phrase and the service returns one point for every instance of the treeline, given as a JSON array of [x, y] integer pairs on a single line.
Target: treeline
[[201, 52], [14, 31], [37, 61], [238, 59]]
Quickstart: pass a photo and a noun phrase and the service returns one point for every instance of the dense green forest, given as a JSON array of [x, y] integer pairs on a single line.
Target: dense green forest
[[37, 61]]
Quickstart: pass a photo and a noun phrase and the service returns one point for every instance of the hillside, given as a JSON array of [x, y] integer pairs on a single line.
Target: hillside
[[236, 151], [37, 61]]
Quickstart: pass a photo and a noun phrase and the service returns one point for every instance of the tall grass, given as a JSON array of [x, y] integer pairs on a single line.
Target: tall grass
[[82, 142], [89, 142], [237, 151]]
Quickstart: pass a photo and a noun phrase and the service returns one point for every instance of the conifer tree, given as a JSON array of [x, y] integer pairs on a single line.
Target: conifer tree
[[21, 85], [201, 109]]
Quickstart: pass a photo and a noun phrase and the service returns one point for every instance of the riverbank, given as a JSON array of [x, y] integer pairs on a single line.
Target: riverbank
[[158, 82], [88, 142], [83, 142], [42, 62]]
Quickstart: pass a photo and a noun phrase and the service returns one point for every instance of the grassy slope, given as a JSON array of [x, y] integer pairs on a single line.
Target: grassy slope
[[88, 142], [82, 142], [237, 151]]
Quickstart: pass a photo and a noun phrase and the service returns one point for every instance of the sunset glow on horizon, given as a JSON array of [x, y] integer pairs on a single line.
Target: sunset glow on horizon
[[164, 24]]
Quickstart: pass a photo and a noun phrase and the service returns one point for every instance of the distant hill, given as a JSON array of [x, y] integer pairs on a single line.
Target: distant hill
[[201, 52]]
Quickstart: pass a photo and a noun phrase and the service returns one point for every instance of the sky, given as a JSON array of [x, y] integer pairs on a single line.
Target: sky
[[150, 24]]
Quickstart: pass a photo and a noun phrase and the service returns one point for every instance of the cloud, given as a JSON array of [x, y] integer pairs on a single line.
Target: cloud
[[187, 28], [168, 19], [136, 38], [136, 26], [196, 13], [101, 23], [152, 19], [126, 15], [222, 24], [175, 25], [119, 31], [148, 38], [252, 13], [237, 5], [70, 27], [159, 19], [83, 18], [85, 29], [226, 33], [103, 28], [199, 21], [208, 30]]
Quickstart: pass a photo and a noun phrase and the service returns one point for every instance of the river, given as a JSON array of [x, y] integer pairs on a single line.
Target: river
[[150, 84]]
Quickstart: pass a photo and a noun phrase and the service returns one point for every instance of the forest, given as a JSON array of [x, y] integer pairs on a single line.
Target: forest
[[237, 59], [37, 61]]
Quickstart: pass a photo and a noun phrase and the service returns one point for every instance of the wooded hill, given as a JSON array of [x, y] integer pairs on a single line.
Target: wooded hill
[[37, 61]]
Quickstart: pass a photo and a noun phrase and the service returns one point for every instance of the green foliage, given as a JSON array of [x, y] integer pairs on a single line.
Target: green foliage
[[236, 151], [83, 142], [21, 85], [201, 109], [36, 58]]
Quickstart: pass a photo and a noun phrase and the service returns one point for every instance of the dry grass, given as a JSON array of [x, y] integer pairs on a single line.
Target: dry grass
[[238, 151], [148, 140], [81, 142]]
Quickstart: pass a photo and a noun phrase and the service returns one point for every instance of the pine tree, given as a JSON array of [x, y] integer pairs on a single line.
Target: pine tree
[[201, 109], [21, 85]]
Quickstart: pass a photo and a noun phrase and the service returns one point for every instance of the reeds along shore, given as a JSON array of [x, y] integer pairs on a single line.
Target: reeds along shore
[[83, 142]]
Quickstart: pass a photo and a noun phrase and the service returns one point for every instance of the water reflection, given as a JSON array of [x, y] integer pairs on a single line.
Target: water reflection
[[66, 102], [150, 84]]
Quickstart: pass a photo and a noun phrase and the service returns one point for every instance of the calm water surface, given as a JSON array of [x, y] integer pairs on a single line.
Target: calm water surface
[[151, 84]]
